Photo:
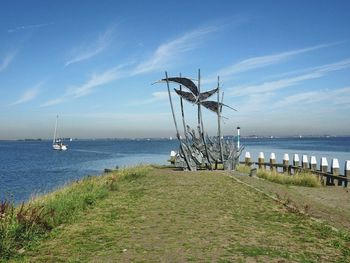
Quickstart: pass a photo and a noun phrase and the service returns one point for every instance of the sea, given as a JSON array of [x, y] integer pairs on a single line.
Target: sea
[[31, 168]]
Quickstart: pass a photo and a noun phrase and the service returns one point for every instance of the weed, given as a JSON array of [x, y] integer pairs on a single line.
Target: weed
[[135, 173], [20, 226], [301, 179], [31, 221], [112, 183], [243, 169]]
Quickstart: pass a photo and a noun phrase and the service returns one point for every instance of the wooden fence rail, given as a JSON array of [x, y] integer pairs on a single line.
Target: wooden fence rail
[[332, 177]]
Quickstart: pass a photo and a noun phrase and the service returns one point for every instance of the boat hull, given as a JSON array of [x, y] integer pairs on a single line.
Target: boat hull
[[59, 147]]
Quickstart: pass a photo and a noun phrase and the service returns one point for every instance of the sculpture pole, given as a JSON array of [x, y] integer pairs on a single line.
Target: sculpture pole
[[219, 122], [200, 120], [177, 130], [183, 115]]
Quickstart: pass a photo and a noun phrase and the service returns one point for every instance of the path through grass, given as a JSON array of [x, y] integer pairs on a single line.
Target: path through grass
[[173, 216]]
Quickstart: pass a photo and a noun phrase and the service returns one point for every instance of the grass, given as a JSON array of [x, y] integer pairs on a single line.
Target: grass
[[165, 215], [300, 179], [243, 169], [22, 226]]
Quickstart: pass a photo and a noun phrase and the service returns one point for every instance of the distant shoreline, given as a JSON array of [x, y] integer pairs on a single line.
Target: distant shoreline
[[171, 138]]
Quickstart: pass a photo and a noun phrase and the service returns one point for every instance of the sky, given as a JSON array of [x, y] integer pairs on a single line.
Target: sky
[[284, 65]]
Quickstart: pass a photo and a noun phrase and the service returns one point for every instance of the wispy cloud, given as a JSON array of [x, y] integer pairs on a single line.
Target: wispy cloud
[[29, 94], [156, 97], [27, 27], [88, 51], [270, 86], [163, 55], [53, 102], [333, 96], [95, 81], [133, 118], [170, 51], [264, 61], [6, 61]]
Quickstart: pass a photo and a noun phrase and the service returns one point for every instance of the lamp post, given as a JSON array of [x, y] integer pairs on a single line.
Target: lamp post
[[238, 134]]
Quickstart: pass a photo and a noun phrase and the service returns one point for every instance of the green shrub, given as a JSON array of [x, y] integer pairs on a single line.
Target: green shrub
[[20, 226], [135, 173], [67, 201], [243, 168], [301, 179], [32, 221]]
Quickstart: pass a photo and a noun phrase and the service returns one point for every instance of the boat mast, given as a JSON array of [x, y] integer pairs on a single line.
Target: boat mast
[[54, 135]]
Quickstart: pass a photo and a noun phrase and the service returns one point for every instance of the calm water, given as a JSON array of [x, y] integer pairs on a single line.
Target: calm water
[[28, 168]]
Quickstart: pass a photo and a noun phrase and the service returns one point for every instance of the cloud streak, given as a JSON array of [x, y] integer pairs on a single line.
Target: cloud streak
[[163, 55], [168, 52], [53, 102], [271, 86], [88, 51], [264, 61], [156, 97], [335, 97], [95, 81], [29, 94], [27, 27], [7, 60]]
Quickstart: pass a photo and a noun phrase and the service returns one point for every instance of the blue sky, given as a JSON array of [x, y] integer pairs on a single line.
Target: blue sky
[[283, 64]]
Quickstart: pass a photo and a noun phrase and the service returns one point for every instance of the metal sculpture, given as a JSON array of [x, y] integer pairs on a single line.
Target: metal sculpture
[[197, 150]]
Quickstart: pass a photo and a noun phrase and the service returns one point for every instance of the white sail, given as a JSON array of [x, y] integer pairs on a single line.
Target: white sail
[[54, 134]]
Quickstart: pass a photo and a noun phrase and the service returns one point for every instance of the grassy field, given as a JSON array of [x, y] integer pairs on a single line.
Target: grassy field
[[173, 216], [330, 204], [302, 178]]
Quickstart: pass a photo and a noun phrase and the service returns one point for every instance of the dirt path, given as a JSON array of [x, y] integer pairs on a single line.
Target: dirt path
[[331, 204], [170, 216]]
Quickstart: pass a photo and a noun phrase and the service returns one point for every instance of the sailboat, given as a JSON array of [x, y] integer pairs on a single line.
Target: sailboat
[[57, 143]]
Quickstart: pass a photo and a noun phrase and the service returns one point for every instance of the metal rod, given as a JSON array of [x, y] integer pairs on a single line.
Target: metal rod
[[200, 119], [183, 115], [219, 122], [177, 130]]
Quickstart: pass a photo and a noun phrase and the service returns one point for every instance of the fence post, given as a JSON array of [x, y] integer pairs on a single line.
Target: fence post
[[273, 162], [285, 162], [261, 160], [313, 167], [313, 163], [172, 157], [324, 168], [296, 162], [335, 169], [324, 165], [247, 159], [305, 162], [346, 172]]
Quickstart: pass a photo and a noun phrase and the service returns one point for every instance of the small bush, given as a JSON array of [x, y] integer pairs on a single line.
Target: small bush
[[20, 226], [67, 201], [31, 221], [135, 173], [112, 183], [301, 179], [243, 169]]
